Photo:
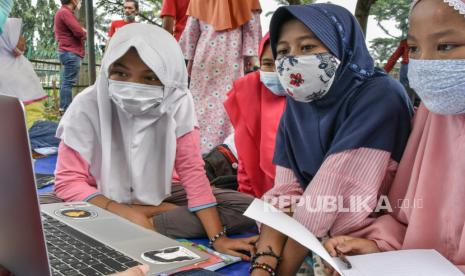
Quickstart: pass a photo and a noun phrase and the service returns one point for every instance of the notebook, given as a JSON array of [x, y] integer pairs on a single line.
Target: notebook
[[216, 261]]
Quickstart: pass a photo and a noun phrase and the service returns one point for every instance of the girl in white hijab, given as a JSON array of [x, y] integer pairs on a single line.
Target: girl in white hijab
[[123, 137], [17, 76]]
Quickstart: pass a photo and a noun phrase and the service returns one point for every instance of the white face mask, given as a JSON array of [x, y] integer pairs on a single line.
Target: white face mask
[[440, 84], [271, 81], [307, 78], [134, 98]]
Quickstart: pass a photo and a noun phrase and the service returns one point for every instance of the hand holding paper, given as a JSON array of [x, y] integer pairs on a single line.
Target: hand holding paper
[[419, 262]]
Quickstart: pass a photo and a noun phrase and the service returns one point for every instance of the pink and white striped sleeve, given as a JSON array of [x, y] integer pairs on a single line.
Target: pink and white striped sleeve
[[286, 185], [352, 180]]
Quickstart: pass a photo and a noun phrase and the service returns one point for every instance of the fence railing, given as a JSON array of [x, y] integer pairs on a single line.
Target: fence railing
[[49, 73]]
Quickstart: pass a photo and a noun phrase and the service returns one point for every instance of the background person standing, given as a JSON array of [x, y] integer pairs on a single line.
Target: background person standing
[[131, 10], [174, 15], [70, 36], [221, 36]]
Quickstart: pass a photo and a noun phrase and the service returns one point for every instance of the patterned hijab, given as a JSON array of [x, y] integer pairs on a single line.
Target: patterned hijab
[[364, 107]]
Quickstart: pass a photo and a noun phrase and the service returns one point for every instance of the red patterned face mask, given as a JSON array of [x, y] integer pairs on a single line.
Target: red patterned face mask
[[307, 78]]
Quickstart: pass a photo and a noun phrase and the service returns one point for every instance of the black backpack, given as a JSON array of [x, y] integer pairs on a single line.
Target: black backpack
[[221, 167]]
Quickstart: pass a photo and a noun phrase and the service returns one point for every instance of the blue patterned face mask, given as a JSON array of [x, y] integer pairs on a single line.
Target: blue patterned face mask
[[440, 84], [271, 81]]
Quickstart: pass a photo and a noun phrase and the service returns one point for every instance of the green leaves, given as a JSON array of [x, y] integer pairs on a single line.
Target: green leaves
[[397, 10], [384, 11], [37, 26], [382, 48], [148, 9]]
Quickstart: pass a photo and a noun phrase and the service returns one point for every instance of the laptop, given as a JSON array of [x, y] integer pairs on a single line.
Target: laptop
[[67, 238]]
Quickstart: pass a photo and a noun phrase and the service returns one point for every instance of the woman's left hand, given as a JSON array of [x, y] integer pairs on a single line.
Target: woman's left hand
[[234, 247]]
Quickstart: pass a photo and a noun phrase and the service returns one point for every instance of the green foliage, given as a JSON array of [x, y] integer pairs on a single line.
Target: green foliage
[[37, 26], [389, 10], [148, 9], [45, 11], [382, 49], [397, 10], [23, 9]]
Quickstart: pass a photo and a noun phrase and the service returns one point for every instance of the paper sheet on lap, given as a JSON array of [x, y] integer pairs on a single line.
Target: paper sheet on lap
[[418, 262]]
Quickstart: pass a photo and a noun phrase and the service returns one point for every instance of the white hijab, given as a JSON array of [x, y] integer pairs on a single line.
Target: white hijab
[[133, 153], [17, 77]]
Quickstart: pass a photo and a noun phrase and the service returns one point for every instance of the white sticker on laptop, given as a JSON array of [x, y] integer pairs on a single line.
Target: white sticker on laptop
[[170, 255]]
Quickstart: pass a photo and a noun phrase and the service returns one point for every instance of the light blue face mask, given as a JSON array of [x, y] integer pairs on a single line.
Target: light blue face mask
[[440, 84], [130, 17], [271, 81], [5, 9]]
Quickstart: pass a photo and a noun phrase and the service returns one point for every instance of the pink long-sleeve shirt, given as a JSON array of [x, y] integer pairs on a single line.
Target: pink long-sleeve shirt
[[350, 175], [426, 197], [73, 181]]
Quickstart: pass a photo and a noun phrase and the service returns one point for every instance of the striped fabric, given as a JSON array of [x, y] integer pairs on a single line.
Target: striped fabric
[[354, 174]]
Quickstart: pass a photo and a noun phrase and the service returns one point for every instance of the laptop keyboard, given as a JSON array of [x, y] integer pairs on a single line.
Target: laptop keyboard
[[74, 253]]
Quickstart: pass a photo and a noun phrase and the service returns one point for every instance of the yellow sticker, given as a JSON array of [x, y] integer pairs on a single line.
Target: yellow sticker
[[75, 213]]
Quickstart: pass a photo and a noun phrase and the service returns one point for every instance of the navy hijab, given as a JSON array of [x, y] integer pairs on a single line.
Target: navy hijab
[[364, 108]]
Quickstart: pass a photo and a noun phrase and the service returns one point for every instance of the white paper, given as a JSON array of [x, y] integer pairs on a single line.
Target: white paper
[[418, 262], [272, 217]]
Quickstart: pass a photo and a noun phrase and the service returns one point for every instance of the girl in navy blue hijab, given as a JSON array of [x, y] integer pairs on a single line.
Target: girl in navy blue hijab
[[341, 136]]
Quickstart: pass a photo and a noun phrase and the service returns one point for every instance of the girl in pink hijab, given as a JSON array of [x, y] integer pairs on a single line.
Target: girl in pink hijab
[[427, 196]]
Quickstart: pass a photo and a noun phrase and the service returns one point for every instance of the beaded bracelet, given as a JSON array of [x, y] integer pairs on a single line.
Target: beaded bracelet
[[263, 266], [217, 236], [268, 253]]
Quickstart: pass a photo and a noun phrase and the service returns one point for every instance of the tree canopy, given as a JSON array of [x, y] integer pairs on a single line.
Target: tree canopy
[[38, 21], [384, 11], [37, 25]]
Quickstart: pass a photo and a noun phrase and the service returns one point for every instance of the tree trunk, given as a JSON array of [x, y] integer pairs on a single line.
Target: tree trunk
[[362, 11], [83, 78], [81, 14]]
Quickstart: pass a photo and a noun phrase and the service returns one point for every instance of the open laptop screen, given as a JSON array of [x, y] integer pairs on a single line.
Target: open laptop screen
[[22, 243]]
